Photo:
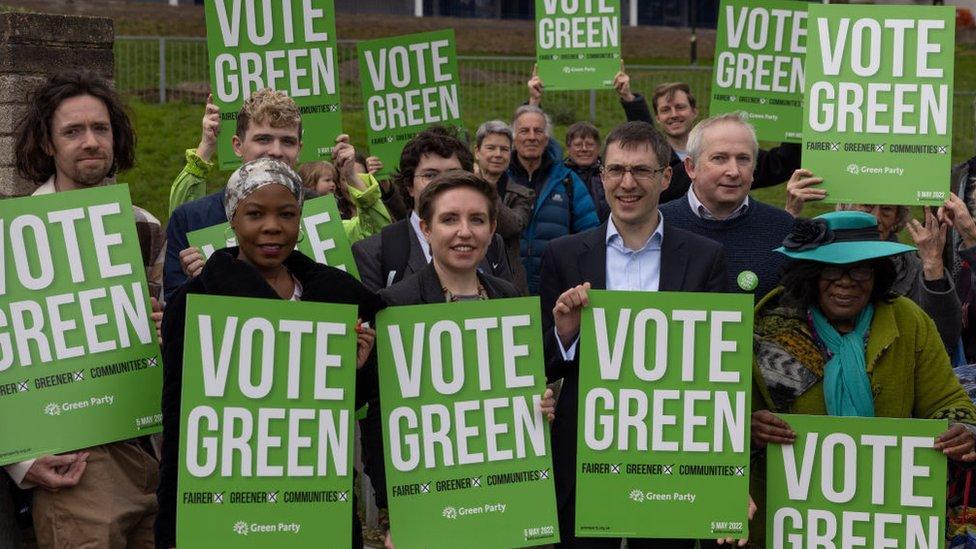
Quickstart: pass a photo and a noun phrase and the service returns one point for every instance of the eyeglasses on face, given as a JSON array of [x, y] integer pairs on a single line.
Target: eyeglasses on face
[[644, 174], [859, 273]]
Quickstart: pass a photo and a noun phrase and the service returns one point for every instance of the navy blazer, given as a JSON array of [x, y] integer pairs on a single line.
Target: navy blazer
[[689, 263]]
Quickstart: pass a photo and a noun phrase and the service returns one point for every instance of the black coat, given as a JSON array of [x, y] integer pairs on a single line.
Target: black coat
[[225, 275], [773, 166], [689, 263]]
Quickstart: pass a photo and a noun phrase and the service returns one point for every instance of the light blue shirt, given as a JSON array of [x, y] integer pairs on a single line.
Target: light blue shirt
[[629, 270]]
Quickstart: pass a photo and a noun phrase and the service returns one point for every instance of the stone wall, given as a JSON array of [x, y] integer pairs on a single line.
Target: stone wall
[[34, 46]]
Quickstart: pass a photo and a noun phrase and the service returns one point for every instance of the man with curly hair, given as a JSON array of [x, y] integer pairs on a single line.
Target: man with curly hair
[[76, 135], [268, 124]]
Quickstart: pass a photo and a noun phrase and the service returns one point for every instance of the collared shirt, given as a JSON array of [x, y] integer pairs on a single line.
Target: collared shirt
[[424, 245], [701, 211], [628, 270]]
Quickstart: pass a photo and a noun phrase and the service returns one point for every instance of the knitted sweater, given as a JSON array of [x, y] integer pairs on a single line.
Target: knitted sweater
[[749, 240]]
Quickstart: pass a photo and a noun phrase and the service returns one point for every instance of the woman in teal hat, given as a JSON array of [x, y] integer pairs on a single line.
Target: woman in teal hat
[[833, 340]]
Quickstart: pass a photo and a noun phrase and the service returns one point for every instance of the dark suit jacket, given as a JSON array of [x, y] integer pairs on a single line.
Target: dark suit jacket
[[689, 263]]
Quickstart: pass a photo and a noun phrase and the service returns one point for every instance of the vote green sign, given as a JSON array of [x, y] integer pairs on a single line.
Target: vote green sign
[[79, 360], [664, 393], [877, 121], [577, 43], [758, 70], [409, 82], [266, 424], [322, 238], [287, 45], [467, 449], [850, 482]]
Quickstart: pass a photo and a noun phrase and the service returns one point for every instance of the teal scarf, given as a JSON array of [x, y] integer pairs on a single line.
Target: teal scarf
[[847, 389]]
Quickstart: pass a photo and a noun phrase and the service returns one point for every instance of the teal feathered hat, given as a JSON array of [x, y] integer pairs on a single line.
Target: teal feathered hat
[[839, 238]]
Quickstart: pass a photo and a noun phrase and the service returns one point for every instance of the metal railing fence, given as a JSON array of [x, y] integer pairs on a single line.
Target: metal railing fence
[[163, 69]]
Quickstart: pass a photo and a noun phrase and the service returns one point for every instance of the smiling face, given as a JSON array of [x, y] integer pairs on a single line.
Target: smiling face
[[722, 173], [633, 200], [81, 142], [675, 115], [494, 154], [584, 151], [845, 290], [261, 139], [460, 229], [266, 224]]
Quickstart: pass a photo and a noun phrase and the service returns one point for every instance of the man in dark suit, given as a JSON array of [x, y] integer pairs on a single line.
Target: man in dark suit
[[636, 249]]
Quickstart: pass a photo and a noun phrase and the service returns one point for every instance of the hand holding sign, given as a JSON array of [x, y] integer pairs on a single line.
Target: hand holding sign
[[566, 312], [800, 190], [621, 83], [743, 541], [55, 472], [191, 259], [766, 428], [536, 87], [211, 127], [957, 443]]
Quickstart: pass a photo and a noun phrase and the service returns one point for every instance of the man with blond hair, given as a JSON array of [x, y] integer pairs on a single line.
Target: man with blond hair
[[268, 124]]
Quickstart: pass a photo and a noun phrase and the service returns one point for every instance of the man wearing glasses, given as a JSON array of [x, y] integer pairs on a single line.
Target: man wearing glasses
[[637, 249], [720, 163]]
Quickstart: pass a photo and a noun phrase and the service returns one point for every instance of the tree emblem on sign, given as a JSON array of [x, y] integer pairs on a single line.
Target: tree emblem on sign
[[53, 409], [240, 527], [637, 496], [450, 513]]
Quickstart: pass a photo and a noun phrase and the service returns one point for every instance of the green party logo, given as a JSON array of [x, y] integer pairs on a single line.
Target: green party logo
[[747, 280]]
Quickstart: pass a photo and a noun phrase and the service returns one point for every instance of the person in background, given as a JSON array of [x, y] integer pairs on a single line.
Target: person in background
[[357, 194], [563, 204], [493, 153], [583, 157]]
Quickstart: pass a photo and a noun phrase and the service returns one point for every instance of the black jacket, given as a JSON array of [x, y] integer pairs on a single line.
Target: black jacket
[[773, 166], [225, 275], [689, 263]]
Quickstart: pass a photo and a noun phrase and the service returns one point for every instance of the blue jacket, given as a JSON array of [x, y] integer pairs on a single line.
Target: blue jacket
[[198, 214], [553, 215]]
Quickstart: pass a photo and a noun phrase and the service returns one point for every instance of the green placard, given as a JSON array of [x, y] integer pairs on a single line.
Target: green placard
[[324, 239], [287, 45], [664, 412], [266, 425], [577, 43], [409, 82], [79, 361], [877, 120], [758, 70], [857, 482], [467, 450]]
